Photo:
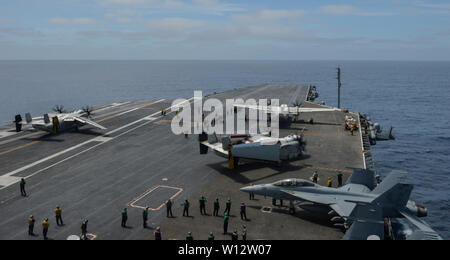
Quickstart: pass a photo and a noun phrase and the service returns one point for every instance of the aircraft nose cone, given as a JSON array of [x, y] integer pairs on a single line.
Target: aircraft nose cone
[[247, 189]]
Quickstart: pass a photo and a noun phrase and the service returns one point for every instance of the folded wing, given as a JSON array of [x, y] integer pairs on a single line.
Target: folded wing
[[286, 110], [86, 121]]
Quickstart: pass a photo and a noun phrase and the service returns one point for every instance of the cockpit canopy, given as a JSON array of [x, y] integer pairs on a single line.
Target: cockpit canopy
[[294, 183]]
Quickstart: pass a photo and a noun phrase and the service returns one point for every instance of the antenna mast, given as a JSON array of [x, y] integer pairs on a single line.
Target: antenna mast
[[339, 86]]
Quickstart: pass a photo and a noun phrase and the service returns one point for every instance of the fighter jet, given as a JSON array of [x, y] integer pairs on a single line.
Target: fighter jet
[[61, 121], [257, 147], [359, 205]]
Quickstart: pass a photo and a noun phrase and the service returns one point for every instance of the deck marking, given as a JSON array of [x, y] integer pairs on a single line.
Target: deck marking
[[129, 111], [135, 200], [91, 236], [7, 179], [99, 121], [19, 147], [266, 209], [20, 137]]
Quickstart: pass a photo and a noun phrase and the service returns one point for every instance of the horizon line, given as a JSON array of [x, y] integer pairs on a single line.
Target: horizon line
[[287, 60]]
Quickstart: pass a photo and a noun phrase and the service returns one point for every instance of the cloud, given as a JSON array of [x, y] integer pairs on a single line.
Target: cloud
[[157, 29], [268, 16], [73, 21], [21, 32], [124, 16], [154, 3], [420, 7], [175, 24], [214, 7], [236, 34], [350, 10], [127, 2], [127, 36], [433, 6]]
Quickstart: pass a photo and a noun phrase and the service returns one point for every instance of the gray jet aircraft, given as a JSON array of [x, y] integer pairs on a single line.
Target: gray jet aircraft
[[359, 205]]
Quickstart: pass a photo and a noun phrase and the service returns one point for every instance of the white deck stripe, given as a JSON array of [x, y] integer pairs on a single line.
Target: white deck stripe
[[7, 179]]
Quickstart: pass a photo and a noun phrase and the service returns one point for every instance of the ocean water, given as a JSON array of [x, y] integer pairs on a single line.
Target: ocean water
[[414, 97]]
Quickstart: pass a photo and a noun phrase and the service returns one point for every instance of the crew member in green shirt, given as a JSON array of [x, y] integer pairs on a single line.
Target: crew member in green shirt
[[145, 216], [186, 208]]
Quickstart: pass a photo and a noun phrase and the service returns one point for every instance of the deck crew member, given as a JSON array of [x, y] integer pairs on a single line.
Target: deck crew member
[[84, 229], [58, 216], [243, 211], [45, 226], [158, 235], [169, 208], [330, 183], [216, 208], [31, 222], [189, 237], [251, 195], [234, 236], [145, 217], [211, 237], [22, 187], [227, 207], [124, 217], [339, 176], [315, 177], [203, 205], [244, 233], [186, 205], [226, 219]]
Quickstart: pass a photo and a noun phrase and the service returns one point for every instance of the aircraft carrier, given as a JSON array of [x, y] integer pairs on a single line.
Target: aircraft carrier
[[138, 162]]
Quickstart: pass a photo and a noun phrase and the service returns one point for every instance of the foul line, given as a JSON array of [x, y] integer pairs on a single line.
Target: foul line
[[131, 203], [19, 147]]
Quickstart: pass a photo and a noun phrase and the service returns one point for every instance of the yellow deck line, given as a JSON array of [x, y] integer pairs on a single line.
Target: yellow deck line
[[106, 118], [147, 105], [19, 147]]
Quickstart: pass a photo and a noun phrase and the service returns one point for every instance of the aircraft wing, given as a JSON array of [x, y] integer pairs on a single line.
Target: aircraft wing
[[286, 110], [424, 231], [343, 208], [216, 147], [343, 205], [85, 121], [312, 197], [362, 177]]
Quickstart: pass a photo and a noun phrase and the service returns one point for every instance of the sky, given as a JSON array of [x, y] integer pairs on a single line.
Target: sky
[[224, 30]]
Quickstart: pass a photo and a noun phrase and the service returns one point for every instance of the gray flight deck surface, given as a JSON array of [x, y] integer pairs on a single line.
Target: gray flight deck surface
[[139, 162]]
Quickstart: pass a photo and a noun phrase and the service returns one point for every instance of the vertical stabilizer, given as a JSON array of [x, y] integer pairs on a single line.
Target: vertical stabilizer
[[28, 118]]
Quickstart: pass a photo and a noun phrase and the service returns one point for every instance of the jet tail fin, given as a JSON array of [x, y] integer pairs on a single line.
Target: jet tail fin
[[397, 195], [362, 177], [391, 136], [46, 119], [28, 118], [390, 181], [394, 189]]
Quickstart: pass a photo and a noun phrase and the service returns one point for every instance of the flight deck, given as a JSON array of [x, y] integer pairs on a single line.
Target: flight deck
[[138, 162]]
